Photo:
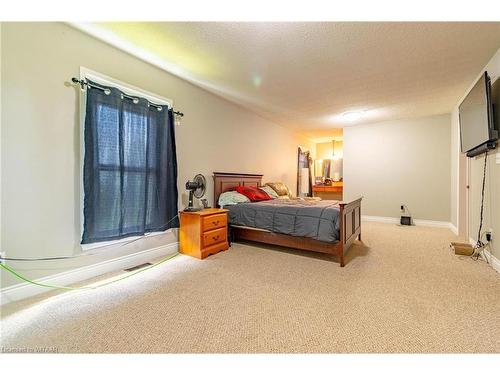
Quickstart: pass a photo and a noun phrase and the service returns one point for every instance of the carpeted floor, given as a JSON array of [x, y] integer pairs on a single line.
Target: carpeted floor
[[401, 291]]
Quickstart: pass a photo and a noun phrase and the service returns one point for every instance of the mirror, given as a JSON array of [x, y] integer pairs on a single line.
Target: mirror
[[322, 168], [327, 166], [318, 168]]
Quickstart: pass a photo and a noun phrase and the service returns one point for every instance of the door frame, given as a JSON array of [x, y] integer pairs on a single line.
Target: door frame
[[463, 199]]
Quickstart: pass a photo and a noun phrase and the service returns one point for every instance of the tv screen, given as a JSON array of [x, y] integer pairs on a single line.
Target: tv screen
[[476, 116]]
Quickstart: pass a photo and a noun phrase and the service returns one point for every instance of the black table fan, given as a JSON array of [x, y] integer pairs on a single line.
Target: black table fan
[[197, 189]]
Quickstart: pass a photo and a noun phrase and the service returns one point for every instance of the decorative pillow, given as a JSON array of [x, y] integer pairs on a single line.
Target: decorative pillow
[[280, 188], [269, 190], [231, 198], [253, 193]]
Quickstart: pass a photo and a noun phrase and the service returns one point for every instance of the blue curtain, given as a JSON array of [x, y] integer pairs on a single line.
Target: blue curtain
[[130, 167]]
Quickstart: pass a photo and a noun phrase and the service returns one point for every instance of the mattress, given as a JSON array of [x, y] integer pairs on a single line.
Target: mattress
[[319, 220]]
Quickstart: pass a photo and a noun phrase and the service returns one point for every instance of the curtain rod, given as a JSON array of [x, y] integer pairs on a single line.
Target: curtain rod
[[84, 82]]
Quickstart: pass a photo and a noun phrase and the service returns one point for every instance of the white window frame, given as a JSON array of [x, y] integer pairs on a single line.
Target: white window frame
[[102, 79]]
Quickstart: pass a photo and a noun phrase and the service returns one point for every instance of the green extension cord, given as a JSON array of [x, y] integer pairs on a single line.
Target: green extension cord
[[7, 268]]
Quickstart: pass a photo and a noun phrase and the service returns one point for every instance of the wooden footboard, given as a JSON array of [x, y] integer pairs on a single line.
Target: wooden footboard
[[350, 226]]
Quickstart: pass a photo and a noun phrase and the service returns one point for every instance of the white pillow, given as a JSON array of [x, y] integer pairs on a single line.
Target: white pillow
[[270, 191], [231, 198]]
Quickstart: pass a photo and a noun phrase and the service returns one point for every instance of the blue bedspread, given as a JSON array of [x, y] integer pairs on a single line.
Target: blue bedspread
[[315, 219]]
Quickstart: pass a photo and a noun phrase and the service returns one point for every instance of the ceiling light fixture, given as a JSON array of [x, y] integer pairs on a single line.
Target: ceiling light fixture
[[257, 80], [352, 116]]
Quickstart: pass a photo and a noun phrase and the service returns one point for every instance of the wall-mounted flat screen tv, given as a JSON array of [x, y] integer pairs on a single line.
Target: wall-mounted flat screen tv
[[477, 127]]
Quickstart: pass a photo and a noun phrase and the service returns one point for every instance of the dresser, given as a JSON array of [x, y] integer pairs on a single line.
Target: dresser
[[333, 191], [203, 233]]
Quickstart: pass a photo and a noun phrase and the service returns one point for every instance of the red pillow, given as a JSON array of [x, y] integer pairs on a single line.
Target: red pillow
[[253, 193]]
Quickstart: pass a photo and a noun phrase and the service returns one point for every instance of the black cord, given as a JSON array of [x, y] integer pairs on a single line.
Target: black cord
[[73, 256], [479, 242]]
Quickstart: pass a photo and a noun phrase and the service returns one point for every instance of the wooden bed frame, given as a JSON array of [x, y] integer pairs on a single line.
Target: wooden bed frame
[[350, 221]]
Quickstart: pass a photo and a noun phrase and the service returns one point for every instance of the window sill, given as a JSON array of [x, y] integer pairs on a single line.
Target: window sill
[[98, 245]]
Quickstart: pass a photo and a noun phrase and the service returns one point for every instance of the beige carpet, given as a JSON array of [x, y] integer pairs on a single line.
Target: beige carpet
[[401, 291]]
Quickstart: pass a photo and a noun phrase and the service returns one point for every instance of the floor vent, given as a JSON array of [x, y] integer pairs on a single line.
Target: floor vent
[[138, 267]]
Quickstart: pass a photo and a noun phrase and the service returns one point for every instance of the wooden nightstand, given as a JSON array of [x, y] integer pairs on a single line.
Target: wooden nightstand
[[203, 233]]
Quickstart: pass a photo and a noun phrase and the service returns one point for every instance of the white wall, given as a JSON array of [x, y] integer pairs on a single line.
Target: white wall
[[400, 162], [41, 139], [492, 188], [1, 212], [324, 149]]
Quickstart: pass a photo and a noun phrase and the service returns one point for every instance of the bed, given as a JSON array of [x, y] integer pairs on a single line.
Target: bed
[[338, 223]]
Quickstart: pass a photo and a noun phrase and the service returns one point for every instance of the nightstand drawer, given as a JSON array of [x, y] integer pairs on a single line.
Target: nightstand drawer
[[214, 222], [214, 236]]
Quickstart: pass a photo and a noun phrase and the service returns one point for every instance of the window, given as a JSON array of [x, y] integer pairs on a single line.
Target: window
[[130, 165]]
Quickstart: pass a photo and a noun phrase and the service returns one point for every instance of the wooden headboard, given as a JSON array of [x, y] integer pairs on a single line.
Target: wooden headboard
[[230, 181]]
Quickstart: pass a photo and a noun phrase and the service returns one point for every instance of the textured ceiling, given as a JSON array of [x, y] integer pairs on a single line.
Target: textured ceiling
[[305, 75]]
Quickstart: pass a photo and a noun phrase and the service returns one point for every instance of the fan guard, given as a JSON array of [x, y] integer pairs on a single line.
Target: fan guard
[[197, 189]]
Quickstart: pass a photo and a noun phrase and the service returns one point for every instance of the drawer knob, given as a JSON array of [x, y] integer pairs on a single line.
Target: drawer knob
[[215, 222]]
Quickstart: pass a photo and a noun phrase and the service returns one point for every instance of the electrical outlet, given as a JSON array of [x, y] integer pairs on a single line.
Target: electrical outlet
[[489, 235], [497, 158]]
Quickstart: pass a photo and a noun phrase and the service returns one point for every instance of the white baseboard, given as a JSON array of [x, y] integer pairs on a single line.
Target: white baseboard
[[380, 219], [454, 229], [20, 291], [487, 256], [493, 261], [423, 223]]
